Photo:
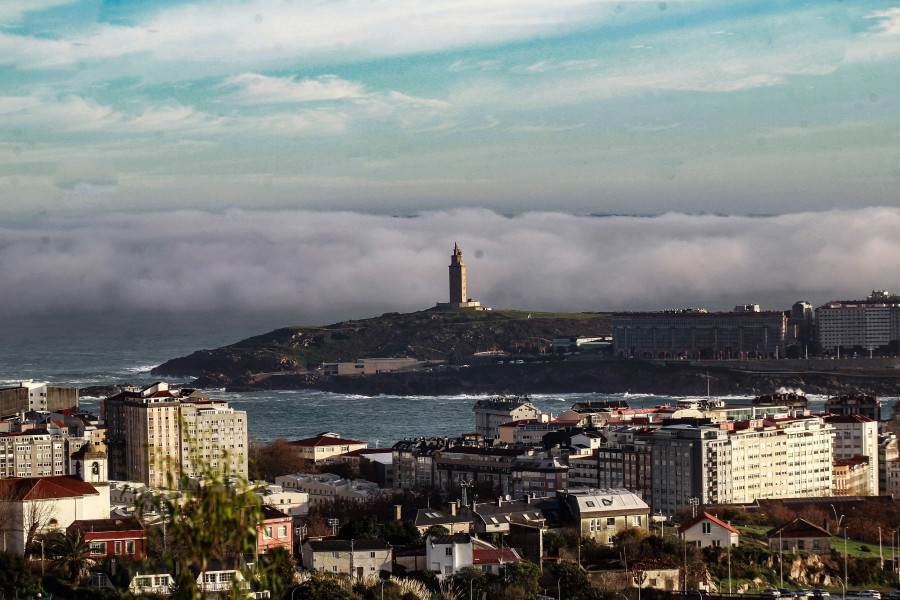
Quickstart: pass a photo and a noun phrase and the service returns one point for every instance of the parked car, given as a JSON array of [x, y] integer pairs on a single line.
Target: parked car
[[803, 593], [895, 595], [821, 594], [770, 593], [874, 594], [785, 593]]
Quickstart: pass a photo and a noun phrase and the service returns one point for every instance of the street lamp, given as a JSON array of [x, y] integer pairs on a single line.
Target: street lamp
[[558, 589], [847, 581], [382, 588]]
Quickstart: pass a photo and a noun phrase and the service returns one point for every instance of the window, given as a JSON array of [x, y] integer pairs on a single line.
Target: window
[[98, 548], [448, 551], [282, 531], [129, 547], [371, 555], [611, 523], [636, 521], [334, 568], [267, 531], [118, 547], [815, 544], [334, 555], [706, 528]]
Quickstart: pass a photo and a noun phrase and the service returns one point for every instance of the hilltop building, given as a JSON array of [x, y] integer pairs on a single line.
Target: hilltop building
[[458, 297], [490, 414]]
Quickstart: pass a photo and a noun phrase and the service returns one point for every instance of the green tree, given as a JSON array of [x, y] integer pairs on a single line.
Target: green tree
[[570, 576], [466, 577], [282, 568], [360, 529], [553, 542], [435, 530], [522, 574], [214, 518], [15, 574], [321, 586], [72, 559]]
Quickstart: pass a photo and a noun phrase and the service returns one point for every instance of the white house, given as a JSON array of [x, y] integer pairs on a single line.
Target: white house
[[42, 505], [447, 554], [706, 530]]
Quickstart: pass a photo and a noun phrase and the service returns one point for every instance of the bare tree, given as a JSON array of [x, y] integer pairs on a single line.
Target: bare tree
[[37, 517], [7, 514]]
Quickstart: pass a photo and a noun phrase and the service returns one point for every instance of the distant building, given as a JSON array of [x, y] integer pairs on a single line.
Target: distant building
[[854, 404], [866, 324], [695, 334], [30, 395], [458, 293], [490, 414], [275, 530], [447, 554], [326, 487], [857, 436], [112, 538], [371, 366], [799, 535], [326, 447]]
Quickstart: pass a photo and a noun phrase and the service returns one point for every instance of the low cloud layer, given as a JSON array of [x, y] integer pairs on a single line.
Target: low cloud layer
[[328, 266]]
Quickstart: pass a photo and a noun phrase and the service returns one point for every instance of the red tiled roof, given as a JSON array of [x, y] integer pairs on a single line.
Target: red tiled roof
[[847, 419], [44, 488], [706, 515], [493, 556]]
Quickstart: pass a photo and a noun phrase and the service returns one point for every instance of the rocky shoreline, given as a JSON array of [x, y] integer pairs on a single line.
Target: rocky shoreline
[[603, 376]]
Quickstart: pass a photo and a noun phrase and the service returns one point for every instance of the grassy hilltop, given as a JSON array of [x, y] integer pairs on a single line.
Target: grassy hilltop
[[451, 335]]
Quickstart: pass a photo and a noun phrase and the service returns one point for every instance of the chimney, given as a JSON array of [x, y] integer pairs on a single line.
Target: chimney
[[453, 509], [499, 502], [398, 509]]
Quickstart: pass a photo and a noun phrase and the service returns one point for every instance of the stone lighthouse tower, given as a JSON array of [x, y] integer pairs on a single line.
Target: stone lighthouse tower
[[457, 277], [458, 284]]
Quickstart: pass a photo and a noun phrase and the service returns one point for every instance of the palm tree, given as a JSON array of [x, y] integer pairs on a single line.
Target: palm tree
[[72, 557]]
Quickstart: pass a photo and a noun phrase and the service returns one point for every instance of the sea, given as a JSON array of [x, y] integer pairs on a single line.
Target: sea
[[101, 350]]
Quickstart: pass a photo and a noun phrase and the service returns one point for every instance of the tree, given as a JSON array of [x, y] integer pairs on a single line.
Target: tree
[[435, 530], [468, 578], [553, 542], [216, 517], [268, 461], [281, 572], [522, 574], [71, 557], [570, 576], [37, 516], [16, 575]]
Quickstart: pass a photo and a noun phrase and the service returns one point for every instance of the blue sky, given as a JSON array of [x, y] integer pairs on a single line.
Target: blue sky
[[256, 155], [406, 106]]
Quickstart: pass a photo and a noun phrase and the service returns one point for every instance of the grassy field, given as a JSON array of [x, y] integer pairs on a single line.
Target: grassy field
[[854, 547]]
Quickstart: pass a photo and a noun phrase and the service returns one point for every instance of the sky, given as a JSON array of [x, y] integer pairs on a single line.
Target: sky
[[239, 155]]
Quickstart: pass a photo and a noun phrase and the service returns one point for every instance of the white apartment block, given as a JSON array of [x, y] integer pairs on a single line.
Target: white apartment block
[[214, 433], [856, 435], [867, 323], [740, 462]]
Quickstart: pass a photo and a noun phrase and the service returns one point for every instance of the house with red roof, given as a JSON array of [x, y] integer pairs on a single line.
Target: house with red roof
[[119, 538], [491, 559], [42, 505], [326, 447], [706, 530]]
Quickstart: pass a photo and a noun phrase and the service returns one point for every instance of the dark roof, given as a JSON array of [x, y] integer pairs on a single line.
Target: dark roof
[[798, 528], [105, 525], [270, 512], [426, 517], [345, 545], [324, 440], [456, 538]]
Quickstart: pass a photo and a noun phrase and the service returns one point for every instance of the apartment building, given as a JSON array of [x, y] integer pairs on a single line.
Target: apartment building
[[532, 431], [601, 514], [854, 404], [154, 432], [868, 323], [856, 435], [488, 468], [739, 462], [33, 453], [490, 414], [413, 461], [539, 476]]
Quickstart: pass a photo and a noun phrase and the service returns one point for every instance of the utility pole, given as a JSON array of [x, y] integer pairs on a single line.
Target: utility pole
[[780, 559], [695, 502], [846, 580], [728, 549]]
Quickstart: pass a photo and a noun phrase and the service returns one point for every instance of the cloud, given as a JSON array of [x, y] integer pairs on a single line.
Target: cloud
[[328, 266], [261, 89]]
